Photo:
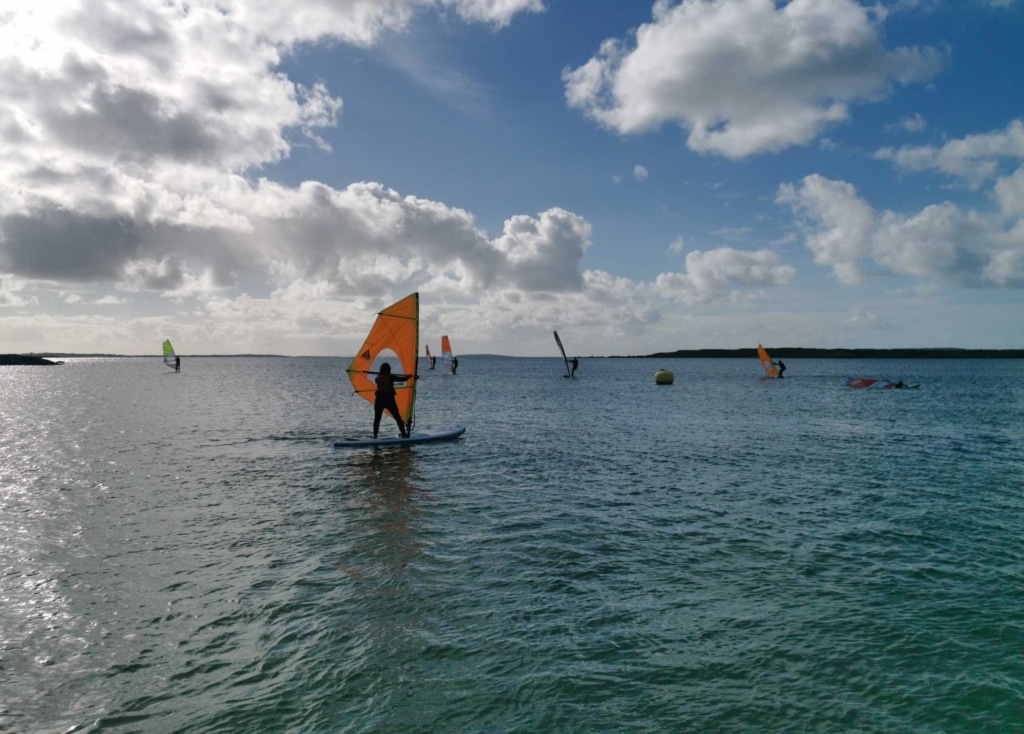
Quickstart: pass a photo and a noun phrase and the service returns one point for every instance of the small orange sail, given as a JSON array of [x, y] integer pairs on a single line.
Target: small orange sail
[[446, 352], [766, 362], [397, 329]]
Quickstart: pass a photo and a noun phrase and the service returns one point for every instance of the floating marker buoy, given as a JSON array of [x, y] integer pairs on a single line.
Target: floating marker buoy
[[664, 377]]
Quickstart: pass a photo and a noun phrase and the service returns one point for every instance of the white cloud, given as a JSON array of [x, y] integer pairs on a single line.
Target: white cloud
[[975, 159], [744, 76], [914, 123], [545, 253], [496, 12], [848, 222], [640, 173], [710, 276], [12, 292], [862, 316], [1009, 194], [126, 129], [941, 241]]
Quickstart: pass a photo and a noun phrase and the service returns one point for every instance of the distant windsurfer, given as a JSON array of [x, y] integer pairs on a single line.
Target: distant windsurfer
[[177, 363], [385, 399], [455, 364], [575, 363], [433, 361], [782, 367]]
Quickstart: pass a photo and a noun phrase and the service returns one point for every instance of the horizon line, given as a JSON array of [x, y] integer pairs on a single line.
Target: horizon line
[[709, 352]]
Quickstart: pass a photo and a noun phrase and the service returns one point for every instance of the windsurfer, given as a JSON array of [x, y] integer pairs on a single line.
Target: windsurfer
[[385, 399], [782, 367], [177, 363], [575, 363], [433, 361], [455, 364]]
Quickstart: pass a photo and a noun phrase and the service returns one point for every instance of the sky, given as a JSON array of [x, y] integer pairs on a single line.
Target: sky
[[252, 176]]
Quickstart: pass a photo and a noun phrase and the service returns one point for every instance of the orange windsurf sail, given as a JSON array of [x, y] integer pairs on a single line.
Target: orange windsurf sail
[[395, 334], [446, 352], [766, 362]]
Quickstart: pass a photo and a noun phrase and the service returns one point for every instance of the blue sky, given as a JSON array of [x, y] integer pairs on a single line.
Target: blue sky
[[251, 176]]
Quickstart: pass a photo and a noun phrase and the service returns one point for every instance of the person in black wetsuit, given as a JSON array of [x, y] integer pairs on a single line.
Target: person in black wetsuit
[[177, 363], [782, 367], [385, 399], [455, 364], [575, 363]]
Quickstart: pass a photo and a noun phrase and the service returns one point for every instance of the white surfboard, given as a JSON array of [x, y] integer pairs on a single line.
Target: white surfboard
[[433, 434]]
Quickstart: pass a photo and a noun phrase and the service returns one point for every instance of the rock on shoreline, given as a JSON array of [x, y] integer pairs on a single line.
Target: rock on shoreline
[[6, 359]]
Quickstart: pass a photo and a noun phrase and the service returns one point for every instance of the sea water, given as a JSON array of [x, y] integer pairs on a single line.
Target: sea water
[[188, 553]]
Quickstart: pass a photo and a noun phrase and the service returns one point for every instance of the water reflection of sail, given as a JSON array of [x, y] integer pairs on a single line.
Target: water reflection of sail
[[386, 540]]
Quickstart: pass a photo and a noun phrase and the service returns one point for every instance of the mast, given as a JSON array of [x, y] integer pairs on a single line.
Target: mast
[[562, 349]]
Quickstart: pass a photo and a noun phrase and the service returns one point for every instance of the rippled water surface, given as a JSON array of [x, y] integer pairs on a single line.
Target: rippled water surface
[[189, 553]]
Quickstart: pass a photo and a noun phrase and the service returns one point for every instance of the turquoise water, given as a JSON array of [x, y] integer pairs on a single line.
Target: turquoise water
[[726, 554]]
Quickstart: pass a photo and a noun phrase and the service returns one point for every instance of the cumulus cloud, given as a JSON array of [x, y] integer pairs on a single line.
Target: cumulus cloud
[[127, 129], [711, 276], [12, 292], [941, 241], [845, 241], [496, 12], [545, 253], [640, 173], [976, 158], [744, 76], [364, 239], [1009, 194]]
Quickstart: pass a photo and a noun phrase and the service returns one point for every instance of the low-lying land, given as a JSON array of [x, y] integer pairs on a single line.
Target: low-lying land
[[6, 359], [811, 353]]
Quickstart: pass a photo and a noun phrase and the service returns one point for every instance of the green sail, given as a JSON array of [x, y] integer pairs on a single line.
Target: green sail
[[168, 354]]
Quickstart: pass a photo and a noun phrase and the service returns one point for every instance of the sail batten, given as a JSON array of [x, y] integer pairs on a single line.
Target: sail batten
[[564, 358], [396, 329], [766, 362]]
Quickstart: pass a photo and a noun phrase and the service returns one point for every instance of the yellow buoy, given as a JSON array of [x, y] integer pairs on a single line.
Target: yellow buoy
[[664, 377]]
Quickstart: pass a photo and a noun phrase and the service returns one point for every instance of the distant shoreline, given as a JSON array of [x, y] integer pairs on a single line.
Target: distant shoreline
[[41, 358], [813, 353]]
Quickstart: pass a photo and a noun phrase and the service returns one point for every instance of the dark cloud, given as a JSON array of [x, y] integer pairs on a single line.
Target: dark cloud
[[66, 246], [62, 246]]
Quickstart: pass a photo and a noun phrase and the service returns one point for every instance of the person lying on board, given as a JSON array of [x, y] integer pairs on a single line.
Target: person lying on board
[[385, 399]]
